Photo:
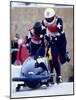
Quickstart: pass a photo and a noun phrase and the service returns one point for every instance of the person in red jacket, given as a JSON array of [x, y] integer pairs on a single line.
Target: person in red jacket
[[23, 52]]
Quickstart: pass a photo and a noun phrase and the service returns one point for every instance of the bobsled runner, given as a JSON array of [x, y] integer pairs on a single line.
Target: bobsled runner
[[34, 73]]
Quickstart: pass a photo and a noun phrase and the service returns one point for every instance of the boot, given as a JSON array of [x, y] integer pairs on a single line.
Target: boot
[[51, 80], [67, 57], [58, 79]]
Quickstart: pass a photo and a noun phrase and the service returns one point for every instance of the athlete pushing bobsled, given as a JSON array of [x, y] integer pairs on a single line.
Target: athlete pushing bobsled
[[57, 42]]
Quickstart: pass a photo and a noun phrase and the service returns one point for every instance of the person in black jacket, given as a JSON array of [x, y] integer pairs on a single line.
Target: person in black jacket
[[14, 48]]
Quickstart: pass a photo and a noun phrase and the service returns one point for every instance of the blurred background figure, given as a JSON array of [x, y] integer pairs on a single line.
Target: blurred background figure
[[23, 52], [14, 48]]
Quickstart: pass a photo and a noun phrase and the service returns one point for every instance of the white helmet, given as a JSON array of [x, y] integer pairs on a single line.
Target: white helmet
[[49, 12]]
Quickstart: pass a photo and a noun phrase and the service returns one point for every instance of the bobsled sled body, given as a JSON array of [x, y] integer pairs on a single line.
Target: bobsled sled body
[[34, 73]]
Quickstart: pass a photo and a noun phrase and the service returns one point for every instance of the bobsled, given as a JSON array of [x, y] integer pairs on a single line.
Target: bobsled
[[34, 73]]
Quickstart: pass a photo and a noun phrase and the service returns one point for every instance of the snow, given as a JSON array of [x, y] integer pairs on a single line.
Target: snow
[[65, 88]]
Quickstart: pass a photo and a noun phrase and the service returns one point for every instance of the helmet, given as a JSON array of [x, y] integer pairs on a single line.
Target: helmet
[[49, 14], [37, 27]]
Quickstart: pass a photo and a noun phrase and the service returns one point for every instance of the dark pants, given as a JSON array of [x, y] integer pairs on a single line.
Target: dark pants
[[58, 48], [13, 57], [37, 50], [14, 45], [61, 44]]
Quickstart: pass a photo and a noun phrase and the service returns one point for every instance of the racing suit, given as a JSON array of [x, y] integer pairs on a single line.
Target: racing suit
[[57, 43], [35, 43]]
